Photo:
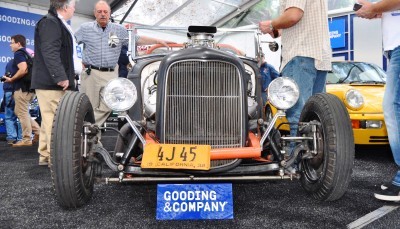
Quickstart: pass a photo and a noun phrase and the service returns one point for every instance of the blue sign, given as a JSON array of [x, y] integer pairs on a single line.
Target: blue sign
[[337, 29], [14, 22], [194, 201], [2, 123]]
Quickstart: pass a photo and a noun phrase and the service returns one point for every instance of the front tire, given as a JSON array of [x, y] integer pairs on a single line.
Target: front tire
[[72, 174], [327, 175]]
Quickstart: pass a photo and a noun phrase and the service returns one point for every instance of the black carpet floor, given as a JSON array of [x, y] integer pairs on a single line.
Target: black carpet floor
[[27, 199]]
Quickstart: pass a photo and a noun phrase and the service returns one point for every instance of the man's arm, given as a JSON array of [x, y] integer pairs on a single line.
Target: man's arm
[[274, 73], [143, 40], [369, 10], [289, 18], [79, 35], [22, 70]]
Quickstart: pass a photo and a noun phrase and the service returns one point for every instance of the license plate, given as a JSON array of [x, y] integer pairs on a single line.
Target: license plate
[[176, 156]]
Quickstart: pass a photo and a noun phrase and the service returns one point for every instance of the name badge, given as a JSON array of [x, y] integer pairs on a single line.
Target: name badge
[[194, 201], [79, 51]]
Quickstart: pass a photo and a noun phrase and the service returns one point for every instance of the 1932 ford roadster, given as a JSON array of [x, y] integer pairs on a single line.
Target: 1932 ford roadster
[[196, 114]]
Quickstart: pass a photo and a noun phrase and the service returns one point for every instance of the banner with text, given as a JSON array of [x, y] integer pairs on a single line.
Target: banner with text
[[14, 22], [337, 29], [194, 201]]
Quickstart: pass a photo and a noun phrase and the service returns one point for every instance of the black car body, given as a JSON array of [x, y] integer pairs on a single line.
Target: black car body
[[196, 114]]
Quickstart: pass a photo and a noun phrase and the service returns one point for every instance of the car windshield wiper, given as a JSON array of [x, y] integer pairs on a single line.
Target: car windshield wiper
[[374, 82], [348, 73], [355, 81]]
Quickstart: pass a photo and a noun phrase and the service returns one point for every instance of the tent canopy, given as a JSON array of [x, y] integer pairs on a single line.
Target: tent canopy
[[164, 12], [182, 13], [83, 7]]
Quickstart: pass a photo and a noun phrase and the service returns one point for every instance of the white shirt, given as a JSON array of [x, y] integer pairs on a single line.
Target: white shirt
[[391, 30], [310, 36], [77, 60]]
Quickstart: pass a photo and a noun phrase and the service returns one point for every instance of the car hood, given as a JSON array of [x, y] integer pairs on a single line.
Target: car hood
[[373, 94]]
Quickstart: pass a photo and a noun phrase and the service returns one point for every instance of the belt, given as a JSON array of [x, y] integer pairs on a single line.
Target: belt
[[101, 69]]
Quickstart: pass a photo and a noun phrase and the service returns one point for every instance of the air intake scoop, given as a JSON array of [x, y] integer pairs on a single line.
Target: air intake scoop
[[202, 29]]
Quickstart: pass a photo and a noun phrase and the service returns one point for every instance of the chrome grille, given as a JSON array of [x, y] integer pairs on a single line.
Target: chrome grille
[[203, 104]]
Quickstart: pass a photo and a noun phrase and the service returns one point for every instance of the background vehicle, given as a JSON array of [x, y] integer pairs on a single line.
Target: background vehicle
[[360, 86], [34, 111], [196, 114], [2, 117]]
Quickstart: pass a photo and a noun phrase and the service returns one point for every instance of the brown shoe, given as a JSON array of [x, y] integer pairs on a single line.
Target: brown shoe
[[22, 143], [11, 142], [43, 160], [35, 139], [43, 163]]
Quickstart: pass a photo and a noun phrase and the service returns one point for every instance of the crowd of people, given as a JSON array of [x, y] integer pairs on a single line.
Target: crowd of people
[[306, 59], [56, 65], [306, 55]]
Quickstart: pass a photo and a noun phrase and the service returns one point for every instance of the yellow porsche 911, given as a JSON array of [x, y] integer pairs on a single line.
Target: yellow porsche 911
[[360, 86]]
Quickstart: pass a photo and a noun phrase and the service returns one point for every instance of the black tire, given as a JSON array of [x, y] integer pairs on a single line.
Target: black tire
[[268, 113], [327, 175], [121, 145], [72, 175]]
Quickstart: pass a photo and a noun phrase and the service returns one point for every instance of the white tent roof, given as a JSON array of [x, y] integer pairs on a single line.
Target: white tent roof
[[187, 12], [182, 12], [83, 7]]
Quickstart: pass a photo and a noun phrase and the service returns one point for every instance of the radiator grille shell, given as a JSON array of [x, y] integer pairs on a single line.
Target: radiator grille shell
[[203, 104]]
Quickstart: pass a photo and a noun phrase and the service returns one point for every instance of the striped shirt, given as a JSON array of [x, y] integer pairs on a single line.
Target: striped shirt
[[96, 50], [310, 36]]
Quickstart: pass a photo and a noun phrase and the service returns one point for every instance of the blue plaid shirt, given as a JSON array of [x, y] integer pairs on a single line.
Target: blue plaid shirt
[[96, 50]]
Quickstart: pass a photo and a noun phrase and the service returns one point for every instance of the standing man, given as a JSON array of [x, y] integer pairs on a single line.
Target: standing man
[[268, 73], [123, 62], [389, 10], [53, 69], [22, 94], [100, 56], [13, 127], [306, 50]]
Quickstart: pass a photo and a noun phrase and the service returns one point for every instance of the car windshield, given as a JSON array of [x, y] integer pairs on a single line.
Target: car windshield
[[230, 40], [355, 72]]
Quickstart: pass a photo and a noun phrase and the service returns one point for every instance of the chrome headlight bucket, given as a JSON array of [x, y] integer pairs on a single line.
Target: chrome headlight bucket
[[120, 94], [354, 99], [283, 93]]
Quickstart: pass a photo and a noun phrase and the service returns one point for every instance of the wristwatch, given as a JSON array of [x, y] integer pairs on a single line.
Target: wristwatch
[[271, 27], [274, 31]]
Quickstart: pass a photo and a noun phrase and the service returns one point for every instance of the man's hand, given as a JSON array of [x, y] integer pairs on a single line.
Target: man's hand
[[366, 11], [7, 79], [165, 43], [64, 84], [265, 27]]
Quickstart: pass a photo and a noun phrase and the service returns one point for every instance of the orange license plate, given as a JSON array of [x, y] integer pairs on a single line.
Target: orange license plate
[[176, 156]]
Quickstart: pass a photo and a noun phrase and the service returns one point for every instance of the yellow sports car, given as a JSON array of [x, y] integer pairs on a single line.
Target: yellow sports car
[[361, 87]]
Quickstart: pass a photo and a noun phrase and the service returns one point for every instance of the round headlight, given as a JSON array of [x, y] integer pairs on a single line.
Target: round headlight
[[354, 99], [120, 94], [283, 93]]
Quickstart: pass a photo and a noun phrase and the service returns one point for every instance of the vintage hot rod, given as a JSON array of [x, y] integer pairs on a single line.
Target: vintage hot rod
[[194, 115]]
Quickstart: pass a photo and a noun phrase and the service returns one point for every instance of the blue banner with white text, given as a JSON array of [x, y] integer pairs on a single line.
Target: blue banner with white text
[[194, 201], [337, 29], [14, 22]]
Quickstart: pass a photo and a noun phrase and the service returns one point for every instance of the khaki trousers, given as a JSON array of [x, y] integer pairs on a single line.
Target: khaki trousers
[[92, 85], [22, 101], [48, 102]]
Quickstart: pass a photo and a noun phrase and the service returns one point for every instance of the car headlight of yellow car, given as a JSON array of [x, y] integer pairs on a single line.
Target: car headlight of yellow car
[[120, 94], [354, 99], [283, 93]]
